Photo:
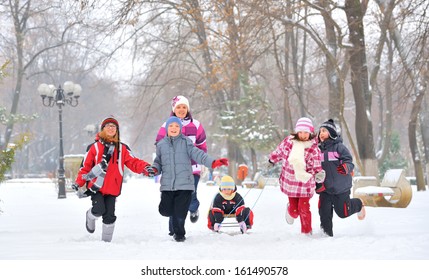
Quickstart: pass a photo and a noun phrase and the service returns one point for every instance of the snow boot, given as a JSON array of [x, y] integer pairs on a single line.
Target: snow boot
[[289, 218], [179, 238], [362, 213], [107, 233], [194, 216], [90, 221], [329, 232], [243, 227]]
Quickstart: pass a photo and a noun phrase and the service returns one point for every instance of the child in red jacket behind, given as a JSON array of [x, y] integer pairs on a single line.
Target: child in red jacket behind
[[229, 202]]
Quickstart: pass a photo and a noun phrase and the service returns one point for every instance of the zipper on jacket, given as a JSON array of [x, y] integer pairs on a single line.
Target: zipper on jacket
[[174, 165]]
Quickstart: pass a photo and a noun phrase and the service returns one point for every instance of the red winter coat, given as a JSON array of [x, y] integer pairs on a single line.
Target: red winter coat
[[115, 170]]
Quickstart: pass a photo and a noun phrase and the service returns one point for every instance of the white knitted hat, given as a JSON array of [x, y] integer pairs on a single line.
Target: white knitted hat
[[180, 99]]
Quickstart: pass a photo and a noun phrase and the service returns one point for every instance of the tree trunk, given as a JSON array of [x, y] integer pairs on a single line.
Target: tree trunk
[[424, 127], [360, 86], [254, 162], [412, 138], [332, 76], [20, 26], [419, 89], [385, 132], [214, 90]]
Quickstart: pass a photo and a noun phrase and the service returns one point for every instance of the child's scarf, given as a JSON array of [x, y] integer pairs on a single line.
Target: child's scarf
[[297, 161]]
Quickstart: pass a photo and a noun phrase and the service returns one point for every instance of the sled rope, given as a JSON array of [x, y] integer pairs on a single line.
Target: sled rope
[[265, 174]]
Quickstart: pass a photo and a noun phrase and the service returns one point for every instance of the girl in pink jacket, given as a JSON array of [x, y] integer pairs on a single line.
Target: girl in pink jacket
[[301, 168]]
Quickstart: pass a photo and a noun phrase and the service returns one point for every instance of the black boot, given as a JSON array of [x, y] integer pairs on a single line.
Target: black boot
[[179, 238], [194, 216]]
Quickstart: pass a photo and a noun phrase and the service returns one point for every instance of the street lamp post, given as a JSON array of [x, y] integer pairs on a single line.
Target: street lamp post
[[68, 94]]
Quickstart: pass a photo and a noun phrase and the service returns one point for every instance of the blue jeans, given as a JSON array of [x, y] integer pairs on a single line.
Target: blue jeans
[[193, 207]]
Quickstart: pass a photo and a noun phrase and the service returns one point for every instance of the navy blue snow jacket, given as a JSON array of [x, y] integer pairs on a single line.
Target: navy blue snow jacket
[[334, 153]]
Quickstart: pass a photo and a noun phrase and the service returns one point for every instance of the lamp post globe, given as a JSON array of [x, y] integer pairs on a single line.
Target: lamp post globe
[[68, 94]]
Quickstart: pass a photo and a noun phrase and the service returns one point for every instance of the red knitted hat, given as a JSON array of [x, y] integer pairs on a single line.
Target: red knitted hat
[[109, 120]]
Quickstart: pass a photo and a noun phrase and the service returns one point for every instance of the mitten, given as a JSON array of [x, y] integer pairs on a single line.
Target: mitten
[[270, 164], [82, 192], [320, 176], [243, 227], [150, 171], [342, 169], [75, 187], [216, 227], [220, 162], [320, 187]]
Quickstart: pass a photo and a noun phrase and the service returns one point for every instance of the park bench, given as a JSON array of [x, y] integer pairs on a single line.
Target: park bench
[[393, 191]]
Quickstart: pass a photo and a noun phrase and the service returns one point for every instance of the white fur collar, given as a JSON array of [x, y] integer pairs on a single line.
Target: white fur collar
[[297, 160]]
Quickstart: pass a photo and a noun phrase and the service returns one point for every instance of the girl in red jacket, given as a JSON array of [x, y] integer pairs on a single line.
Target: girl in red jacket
[[101, 175]]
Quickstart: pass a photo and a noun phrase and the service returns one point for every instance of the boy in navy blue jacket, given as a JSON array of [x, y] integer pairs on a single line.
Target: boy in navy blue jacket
[[335, 190]]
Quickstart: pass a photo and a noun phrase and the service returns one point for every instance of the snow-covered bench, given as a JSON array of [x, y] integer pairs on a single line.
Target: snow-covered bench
[[394, 191], [260, 181], [375, 191], [249, 184]]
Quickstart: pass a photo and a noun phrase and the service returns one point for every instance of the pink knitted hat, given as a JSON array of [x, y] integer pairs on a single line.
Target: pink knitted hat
[[305, 125]]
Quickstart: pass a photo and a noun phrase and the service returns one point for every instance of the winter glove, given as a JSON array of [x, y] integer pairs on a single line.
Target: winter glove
[[80, 191], [320, 176], [150, 171], [75, 187], [216, 227], [243, 227], [220, 162], [320, 187], [342, 169], [270, 164]]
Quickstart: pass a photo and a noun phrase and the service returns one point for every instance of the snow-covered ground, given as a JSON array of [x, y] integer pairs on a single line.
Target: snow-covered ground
[[37, 228]]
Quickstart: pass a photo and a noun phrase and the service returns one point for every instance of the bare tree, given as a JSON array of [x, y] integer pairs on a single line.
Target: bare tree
[[415, 68]]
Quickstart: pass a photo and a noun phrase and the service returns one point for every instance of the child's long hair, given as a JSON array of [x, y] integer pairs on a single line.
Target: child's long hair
[[296, 137]]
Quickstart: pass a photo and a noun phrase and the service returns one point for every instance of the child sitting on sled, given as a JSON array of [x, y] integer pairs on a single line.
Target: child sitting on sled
[[229, 202]]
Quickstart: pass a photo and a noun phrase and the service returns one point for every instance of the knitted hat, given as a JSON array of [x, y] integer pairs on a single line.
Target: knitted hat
[[332, 129], [227, 182], [172, 120], [114, 121], [109, 120], [180, 99], [304, 125]]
